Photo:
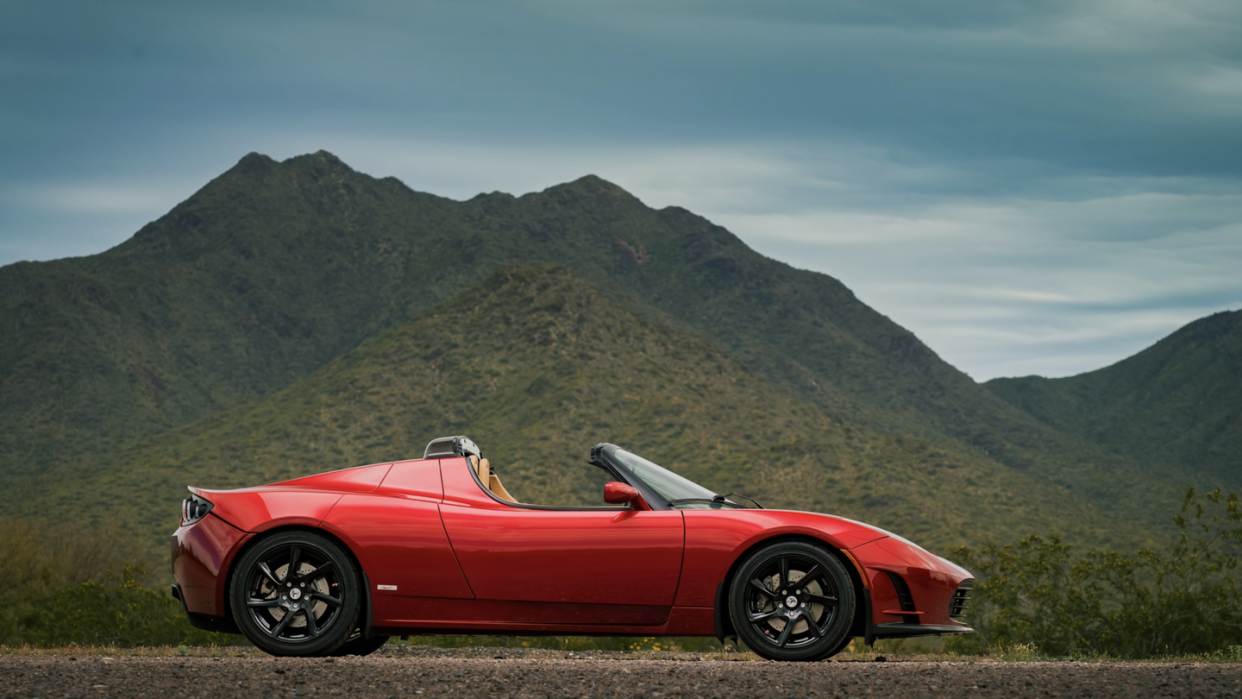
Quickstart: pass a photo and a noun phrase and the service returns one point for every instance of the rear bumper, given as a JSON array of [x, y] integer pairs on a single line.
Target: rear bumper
[[203, 621], [201, 553]]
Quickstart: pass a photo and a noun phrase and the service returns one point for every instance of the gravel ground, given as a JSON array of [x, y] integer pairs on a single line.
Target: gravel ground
[[517, 673]]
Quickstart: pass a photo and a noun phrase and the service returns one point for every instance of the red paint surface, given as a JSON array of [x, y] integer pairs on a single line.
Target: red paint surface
[[717, 538], [399, 541], [609, 556], [419, 478], [931, 579], [619, 493], [269, 507], [465, 561], [200, 552], [360, 479]]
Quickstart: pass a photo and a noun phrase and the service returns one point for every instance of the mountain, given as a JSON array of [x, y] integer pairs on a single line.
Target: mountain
[[537, 366], [274, 270], [1176, 404]]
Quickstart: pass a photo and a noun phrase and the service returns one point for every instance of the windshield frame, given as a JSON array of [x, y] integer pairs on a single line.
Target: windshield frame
[[605, 456]]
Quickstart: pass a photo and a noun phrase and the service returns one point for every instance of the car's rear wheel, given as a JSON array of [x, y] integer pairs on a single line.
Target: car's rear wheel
[[792, 600], [296, 593]]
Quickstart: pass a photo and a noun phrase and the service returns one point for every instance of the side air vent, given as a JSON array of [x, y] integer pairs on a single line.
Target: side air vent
[[904, 598], [957, 606]]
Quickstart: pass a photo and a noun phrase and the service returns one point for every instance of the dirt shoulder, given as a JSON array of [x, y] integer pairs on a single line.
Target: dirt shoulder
[[510, 673]]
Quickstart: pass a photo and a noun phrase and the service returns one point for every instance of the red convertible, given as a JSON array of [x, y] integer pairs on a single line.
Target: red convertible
[[337, 563]]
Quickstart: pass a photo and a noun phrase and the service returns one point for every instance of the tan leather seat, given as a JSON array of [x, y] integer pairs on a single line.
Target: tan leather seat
[[490, 480]]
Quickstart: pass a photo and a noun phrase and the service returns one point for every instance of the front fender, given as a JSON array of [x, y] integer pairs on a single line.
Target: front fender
[[716, 538]]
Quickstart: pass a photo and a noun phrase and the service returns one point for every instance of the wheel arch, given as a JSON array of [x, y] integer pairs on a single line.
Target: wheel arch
[[724, 623], [251, 542]]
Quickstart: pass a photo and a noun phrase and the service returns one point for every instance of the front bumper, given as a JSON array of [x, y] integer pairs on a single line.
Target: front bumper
[[874, 632]]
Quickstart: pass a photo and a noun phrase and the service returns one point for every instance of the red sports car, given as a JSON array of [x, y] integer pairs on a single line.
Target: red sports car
[[338, 562]]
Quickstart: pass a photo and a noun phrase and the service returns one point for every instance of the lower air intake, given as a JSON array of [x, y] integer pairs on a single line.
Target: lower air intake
[[957, 606]]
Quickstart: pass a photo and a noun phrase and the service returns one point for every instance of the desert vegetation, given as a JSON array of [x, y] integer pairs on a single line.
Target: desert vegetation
[[1035, 599]]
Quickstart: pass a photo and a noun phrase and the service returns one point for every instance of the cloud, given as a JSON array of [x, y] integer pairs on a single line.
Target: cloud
[[1029, 186], [97, 198]]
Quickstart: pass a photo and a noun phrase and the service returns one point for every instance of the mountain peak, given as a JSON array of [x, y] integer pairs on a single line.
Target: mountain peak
[[589, 186], [319, 163], [253, 163]]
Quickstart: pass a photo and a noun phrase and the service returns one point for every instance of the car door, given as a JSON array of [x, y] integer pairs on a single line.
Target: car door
[[566, 566]]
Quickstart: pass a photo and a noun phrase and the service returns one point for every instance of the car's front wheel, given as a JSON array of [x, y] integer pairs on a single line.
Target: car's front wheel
[[792, 600], [296, 593], [360, 645]]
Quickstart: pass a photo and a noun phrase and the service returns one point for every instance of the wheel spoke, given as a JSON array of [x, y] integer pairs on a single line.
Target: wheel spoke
[[267, 573], [784, 637], [280, 628], [295, 554], [811, 574], [333, 601], [755, 583], [784, 581], [821, 599], [819, 633], [317, 573], [263, 603], [756, 618], [311, 626]]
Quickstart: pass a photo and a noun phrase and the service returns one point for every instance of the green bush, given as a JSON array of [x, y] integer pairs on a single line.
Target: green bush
[[40, 559], [1036, 594], [62, 588], [116, 612]]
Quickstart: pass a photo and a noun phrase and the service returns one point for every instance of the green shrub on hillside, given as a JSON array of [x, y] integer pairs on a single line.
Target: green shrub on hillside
[[62, 588], [40, 559], [1182, 601], [116, 612]]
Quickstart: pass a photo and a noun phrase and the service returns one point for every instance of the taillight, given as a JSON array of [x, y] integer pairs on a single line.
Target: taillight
[[193, 509]]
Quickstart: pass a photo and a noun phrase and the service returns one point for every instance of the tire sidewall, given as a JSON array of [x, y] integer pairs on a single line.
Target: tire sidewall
[[360, 646], [342, 627], [834, 637]]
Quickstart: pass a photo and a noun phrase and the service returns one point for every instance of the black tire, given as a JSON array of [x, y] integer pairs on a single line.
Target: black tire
[[845, 643], [296, 593], [792, 601], [360, 646]]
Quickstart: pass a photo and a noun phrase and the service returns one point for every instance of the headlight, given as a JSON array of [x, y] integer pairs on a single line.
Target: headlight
[[193, 509]]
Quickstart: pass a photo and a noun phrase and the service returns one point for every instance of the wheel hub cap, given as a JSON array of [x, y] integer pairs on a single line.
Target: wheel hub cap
[[790, 601]]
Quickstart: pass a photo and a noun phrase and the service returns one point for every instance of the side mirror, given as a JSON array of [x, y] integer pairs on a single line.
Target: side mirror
[[621, 493]]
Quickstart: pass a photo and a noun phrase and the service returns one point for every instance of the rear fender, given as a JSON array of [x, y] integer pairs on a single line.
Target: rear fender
[[255, 511]]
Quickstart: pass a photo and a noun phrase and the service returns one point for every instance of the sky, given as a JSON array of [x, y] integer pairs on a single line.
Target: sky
[[1030, 187]]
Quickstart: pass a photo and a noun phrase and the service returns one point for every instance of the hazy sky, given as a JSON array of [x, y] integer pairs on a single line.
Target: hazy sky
[[1031, 187]]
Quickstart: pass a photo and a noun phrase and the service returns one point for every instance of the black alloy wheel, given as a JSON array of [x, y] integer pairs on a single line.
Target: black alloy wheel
[[792, 600], [296, 593]]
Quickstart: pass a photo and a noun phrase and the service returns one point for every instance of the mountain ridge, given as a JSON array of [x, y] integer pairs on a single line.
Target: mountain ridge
[[1176, 402], [274, 269], [537, 366]]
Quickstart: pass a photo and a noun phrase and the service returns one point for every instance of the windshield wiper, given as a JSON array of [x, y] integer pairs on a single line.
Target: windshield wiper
[[744, 497], [717, 499]]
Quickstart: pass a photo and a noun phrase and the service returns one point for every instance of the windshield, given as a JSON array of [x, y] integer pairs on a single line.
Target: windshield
[[667, 484]]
